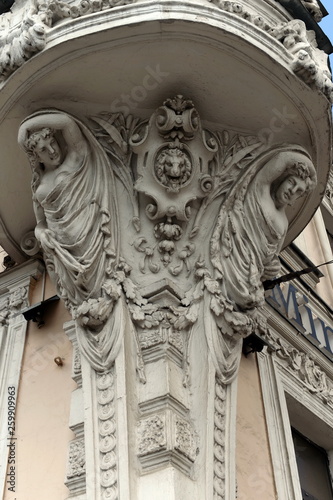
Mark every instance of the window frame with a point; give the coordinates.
(287, 399)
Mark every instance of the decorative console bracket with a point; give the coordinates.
(159, 235)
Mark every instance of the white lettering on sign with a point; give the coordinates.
(293, 305)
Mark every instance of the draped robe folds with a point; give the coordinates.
(244, 252)
(77, 226)
(250, 245)
(78, 233)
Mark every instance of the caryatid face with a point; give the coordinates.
(290, 190)
(48, 152)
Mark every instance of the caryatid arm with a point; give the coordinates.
(56, 121)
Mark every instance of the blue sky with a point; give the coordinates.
(327, 23)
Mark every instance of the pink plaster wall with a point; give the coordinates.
(43, 409)
(254, 468)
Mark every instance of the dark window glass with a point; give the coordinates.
(313, 470)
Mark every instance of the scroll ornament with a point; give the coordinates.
(208, 222)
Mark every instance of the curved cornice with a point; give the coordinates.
(239, 75)
(34, 28)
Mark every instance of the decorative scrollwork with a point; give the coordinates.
(29, 244)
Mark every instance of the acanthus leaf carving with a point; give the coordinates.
(166, 437)
(185, 438)
(212, 238)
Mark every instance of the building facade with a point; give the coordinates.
(167, 173)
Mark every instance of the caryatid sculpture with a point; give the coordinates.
(207, 212)
(72, 182)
